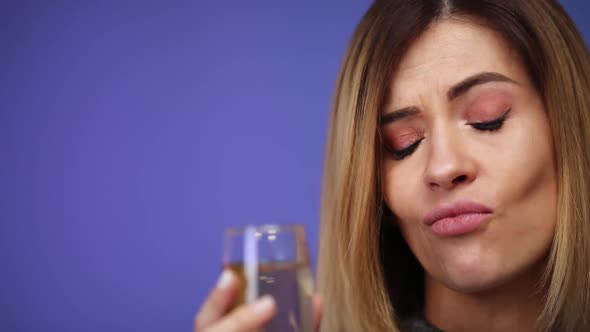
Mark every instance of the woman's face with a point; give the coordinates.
(468, 161)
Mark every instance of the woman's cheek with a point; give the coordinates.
(399, 191)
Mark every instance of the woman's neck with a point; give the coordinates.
(512, 307)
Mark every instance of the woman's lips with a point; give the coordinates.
(457, 218)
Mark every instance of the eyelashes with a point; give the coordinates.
(489, 126)
(401, 154)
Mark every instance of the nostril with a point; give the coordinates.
(460, 179)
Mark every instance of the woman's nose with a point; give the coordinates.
(449, 164)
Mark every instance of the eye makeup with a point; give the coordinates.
(402, 143)
(401, 154)
(404, 138)
(488, 110)
(487, 106)
(491, 125)
(485, 111)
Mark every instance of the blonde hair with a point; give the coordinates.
(368, 286)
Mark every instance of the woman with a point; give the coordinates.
(456, 190)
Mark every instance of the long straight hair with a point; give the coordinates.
(367, 275)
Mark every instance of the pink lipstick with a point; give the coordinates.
(457, 218)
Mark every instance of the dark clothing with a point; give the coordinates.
(417, 324)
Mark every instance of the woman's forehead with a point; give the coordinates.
(448, 52)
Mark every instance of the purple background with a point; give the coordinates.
(132, 133)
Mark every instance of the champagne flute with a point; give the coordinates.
(273, 259)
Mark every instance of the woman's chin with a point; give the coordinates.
(473, 276)
(473, 283)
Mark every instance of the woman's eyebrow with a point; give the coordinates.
(454, 92)
(481, 78)
(398, 115)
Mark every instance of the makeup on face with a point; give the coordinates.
(484, 108)
(457, 218)
(467, 172)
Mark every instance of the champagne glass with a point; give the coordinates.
(273, 259)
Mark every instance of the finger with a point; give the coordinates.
(248, 317)
(218, 301)
(318, 306)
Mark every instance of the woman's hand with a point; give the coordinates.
(214, 316)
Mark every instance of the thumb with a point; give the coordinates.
(318, 307)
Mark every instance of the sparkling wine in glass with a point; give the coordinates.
(273, 259)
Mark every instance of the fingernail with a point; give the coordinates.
(264, 305)
(225, 279)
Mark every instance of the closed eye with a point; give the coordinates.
(401, 154)
(491, 125)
